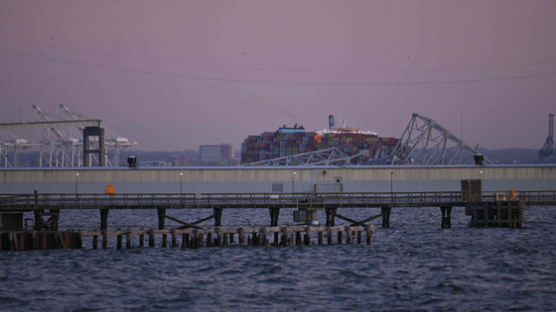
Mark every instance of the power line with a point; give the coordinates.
(275, 82)
(299, 70)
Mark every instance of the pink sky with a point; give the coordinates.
(177, 74)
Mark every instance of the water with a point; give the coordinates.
(414, 265)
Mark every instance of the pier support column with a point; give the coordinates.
(385, 210)
(217, 216)
(161, 218)
(446, 217)
(330, 216)
(104, 219)
(274, 213)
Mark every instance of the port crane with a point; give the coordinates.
(63, 144)
(547, 151)
(115, 142)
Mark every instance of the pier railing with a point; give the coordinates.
(259, 200)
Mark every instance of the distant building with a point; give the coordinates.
(216, 154)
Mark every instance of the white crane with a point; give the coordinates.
(64, 143)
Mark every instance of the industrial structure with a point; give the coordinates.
(547, 152)
(423, 142)
(426, 142)
(62, 145)
(332, 146)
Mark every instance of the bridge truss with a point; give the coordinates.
(426, 142)
(325, 157)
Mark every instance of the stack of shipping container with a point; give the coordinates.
(289, 141)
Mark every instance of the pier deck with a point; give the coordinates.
(27, 202)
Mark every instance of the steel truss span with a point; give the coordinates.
(426, 142)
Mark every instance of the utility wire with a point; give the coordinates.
(273, 82)
(300, 70)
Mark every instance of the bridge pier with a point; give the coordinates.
(385, 210)
(217, 216)
(103, 219)
(274, 214)
(161, 218)
(446, 217)
(330, 216)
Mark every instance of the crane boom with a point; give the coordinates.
(39, 111)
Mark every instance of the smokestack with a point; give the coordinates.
(330, 122)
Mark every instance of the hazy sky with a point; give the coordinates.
(176, 74)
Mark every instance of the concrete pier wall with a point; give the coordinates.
(300, 179)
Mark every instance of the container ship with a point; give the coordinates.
(295, 140)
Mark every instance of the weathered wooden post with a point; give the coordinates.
(184, 240)
(446, 217)
(119, 241)
(95, 241)
(128, 239)
(369, 232)
(104, 218)
(142, 239)
(218, 238)
(104, 239)
(319, 237)
(329, 235)
(330, 216)
(307, 239)
(161, 218)
(348, 234)
(284, 231)
(241, 235)
(217, 216)
(151, 238)
(385, 216)
(174, 238)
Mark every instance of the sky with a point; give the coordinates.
(172, 75)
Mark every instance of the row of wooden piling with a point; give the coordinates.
(225, 236)
(189, 238)
(35, 240)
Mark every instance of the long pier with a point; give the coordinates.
(52, 204)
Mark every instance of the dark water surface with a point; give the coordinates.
(414, 265)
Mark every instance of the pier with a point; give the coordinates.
(47, 207)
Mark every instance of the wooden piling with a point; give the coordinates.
(241, 236)
(174, 238)
(104, 239)
(141, 239)
(119, 241)
(128, 239)
(151, 238)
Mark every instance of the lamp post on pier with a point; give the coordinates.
(181, 183)
(76, 182)
(293, 181)
(391, 186)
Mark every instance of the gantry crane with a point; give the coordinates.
(64, 143)
(113, 141)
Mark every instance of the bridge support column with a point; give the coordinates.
(217, 216)
(446, 217)
(274, 213)
(385, 210)
(104, 219)
(161, 218)
(330, 216)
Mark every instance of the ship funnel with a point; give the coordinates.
(330, 122)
